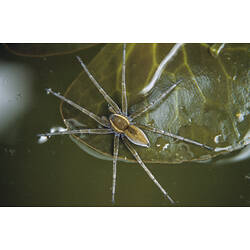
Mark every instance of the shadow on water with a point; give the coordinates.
(58, 173)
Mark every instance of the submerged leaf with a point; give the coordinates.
(211, 104)
(45, 49)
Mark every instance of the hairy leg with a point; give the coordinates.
(158, 131)
(124, 94)
(153, 103)
(115, 155)
(99, 131)
(101, 90)
(137, 157)
(85, 111)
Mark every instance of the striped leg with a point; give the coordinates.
(153, 103)
(115, 155)
(158, 131)
(99, 131)
(124, 94)
(137, 157)
(85, 111)
(101, 90)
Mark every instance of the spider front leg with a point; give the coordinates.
(137, 157)
(162, 132)
(83, 110)
(97, 131)
(115, 155)
(108, 99)
(153, 103)
(124, 94)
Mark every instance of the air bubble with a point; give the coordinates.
(42, 139)
(217, 139)
(57, 129)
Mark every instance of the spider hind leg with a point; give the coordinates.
(141, 163)
(178, 137)
(115, 155)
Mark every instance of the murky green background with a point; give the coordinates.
(58, 173)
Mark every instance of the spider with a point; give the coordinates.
(122, 125)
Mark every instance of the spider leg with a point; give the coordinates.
(137, 157)
(85, 111)
(115, 155)
(154, 102)
(99, 131)
(124, 94)
(158, 131)
(101, 90)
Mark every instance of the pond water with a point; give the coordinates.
(59, 173)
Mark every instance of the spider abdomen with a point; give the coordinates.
(136, 136)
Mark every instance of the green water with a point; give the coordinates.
(59, 173)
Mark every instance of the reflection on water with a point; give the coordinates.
(244, 154)
(15, 93)
(172, 53)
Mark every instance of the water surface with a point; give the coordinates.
(58, 173)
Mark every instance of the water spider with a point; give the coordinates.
(122, 124)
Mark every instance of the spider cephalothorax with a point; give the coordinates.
(121, 125)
